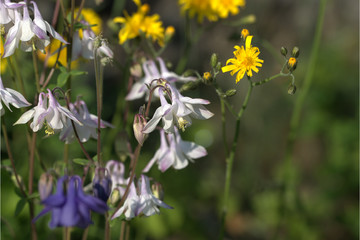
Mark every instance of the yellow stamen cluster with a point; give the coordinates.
(211, 9)
(182, 123)
(246, 60)
(48, 130)
(140, 22)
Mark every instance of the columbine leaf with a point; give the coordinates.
(81, 161)
(20, 206)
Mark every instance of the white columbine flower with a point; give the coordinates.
(152, 72)
(10, 96)
(54, 114)
(88, 127)
(32, 34)
(179, 112)
(7, 11)
(143, 203)
(175, 152)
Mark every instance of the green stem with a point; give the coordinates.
(269, 79)
(223, 121)
(31, 179)
(99, 90)
(36, 71)
(230, 160)
(289, 185)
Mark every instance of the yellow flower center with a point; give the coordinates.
(248, 61)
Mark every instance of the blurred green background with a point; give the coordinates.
(324, 203)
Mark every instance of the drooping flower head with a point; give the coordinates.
(140, 201)
(49, 111)
(88, 123)
(116, 171)
(139, 22)
(9, 96)
(246, 60)
(102, 184)
(70, 206)
(151, 72)
(179, 112)
(174, 152)
(211, 9)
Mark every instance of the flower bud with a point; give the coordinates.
(218, 66)
(115, 196)
(189, 86)
(292, 89)
(207, 77)
(295, 52)
(283, 51)
(157, 190)
(102, 184)
(45, 185)
(213, 60)
(138, 126)
(230, 92)
(169, 33)
(244, 33)
(291, 64)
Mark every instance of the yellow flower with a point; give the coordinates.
(207, 76)
(3, 61)
(90, 16)
(54, 47)
(211, 9)
(139, 22)
(152, 27)
(245, 61)
(244, 33)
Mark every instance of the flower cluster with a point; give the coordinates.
(246, 60)
(140, 23)
(211, 9)
(31, 34)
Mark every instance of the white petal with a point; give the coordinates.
(25, 117)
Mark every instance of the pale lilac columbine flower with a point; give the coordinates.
(175, 152)
(71, 207)
(88, 126)
(55, 115)
(117, 170)
(151, 71)
(32, 34)
(7, 11)
(9, 96)
(143, 203)
(179, 112)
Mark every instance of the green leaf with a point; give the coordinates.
(18, 192)
(34, 195)
(77, 72)
(81, 161)
(20, 206)
(62, 79)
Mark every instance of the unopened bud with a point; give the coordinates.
(291, 64)
(158, 190)
(189, 86)
(244, 33)
(136, 70)
(45, 185)
(218, 66)
(102, 184)
(292, 89)
(295, 52)
(207, 77)
(283, 51)
(115, 196)
(230, 92)
(138, 126)
(169, 33)
(213, 60)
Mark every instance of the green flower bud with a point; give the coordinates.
(214, 60)
(230, 92)
(292, 89)
(283, 51)
(218, 66)
(295, 52)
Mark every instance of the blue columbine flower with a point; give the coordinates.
(71, 207)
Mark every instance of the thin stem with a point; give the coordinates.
(230, 160)
(36, 70)
(122, 231)
(7, 144)
(268, 79)
(132, 175)
(85, 234)
(16, 72)
(107, 227)
(99, 89)
(223, 120)
(30, 186)
(289, 185)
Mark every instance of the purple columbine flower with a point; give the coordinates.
(179, 112)
(175, 152)
(9, 96)
(151, 71)
(142, 203)
(69, 206)
(88, 127)
(54, 115)
(102, 184)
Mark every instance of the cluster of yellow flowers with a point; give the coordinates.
(211, 9)
(245, 59)
(140, 22)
